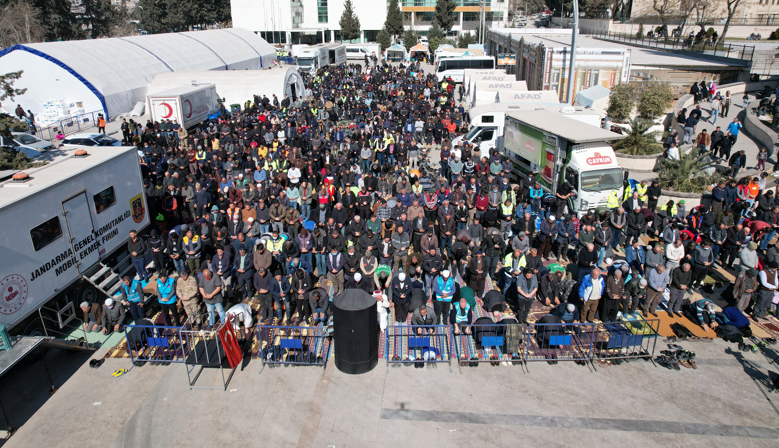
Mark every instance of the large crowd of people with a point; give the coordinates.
(331, 187)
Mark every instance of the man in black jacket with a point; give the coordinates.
(401, 297)
(137, 248)
(636, 224)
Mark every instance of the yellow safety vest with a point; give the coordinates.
(509, 194)
(274, 246)
(641, 189)
(507, 209)
(665, 209)
(200, 155)
(508, 262)
(613, 201)
(627, 194)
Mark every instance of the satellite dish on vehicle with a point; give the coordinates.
(568, 109)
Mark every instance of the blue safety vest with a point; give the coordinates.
(132, 294)
(163, 289)
(446, 288)
(464, 316)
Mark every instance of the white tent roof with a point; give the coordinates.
(118, 70)
(236, 86)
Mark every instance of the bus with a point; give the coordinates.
(455, 67)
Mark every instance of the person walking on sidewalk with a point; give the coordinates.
(762, 157)
(716, 103)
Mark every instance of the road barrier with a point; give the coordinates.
(155, 343)
(418, 344)
(626, 340)
(559, 342)
(494, 343)
(300, 346)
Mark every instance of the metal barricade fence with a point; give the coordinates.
(289, 345)
(559, 342)
(409, 344)
(156, 343)
(494, 343)
(69, 126)
(205, 349)
(625, 340)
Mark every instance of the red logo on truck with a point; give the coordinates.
(13, 293)
(188, 114)
(168, 110)
(530, 146)
(598, 159)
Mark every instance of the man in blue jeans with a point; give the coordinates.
(137, 248)
(210, 287)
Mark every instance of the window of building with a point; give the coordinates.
(321, 8)
(104, 199)
(44, 234)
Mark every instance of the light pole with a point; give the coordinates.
(574, 32)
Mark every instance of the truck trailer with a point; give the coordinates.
(188, 105)
(65, 230)
(554, 148)
(315, 57)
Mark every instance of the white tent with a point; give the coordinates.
(396, 53)
(237, 86)
(112, 75)
(479, 88)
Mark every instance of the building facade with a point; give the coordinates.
(316, 21)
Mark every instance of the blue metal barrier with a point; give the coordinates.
(409, 344)
(301, 346)
(559, 342)
(631, 338)
(155, 343)
(494, 343)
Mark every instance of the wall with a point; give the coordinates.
(605, 25)
(762, 135)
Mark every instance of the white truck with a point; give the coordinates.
(556, 148)
(188, 105)
(488, 121)
(313, 58)
(359, 51)
(65, 228)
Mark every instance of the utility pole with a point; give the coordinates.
(572, 59)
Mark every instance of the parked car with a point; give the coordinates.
(91, 140)
(29, 141)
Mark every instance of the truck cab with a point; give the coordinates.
(593, 172)
(308, 60)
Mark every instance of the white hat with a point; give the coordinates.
(642, 282)
(109, 302)
(445, 273)
(552, 218)
(226, 189)
(357, 277)
(609, 261)
(402, 277)
(241, 175)
(250, 219)
(571, 307)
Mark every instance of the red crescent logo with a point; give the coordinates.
(169, 110)
(188, 114)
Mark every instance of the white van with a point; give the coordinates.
(353, 52)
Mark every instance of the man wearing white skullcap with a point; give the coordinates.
(443, 289)
(401, 297)
(113, 316)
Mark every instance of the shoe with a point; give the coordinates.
(680, 314)
(754, 348)
(670, 314)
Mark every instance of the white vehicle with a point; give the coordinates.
(188, 105)
(23, 140)
(423, 40)
(556, 148)
(455, 67)
(488, 121)
(313, 58)
(90, 140)
(369, 49)
(63, 225)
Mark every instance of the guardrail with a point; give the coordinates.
(559, 342)
(72, 125)
(625, 340)
(156, 343)
(418, 344)
(291, 345)
(708, 47)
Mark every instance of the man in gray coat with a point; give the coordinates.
(113, 316)
(424, 315)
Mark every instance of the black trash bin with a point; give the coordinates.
(355, 332)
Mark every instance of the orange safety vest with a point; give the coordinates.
(754, 190)
(101, 122)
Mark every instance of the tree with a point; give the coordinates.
(384, 38)
(732, 6)
(350, 23)
(662, 8)
(640, 33)
(465, 39)
(394, 22)
(621, 102)
(20, 23)
(655, 99)
(58, 19)
(151, 15)
(435, 36)
(692, 173)
(98, 17)
(410, 38)
(444, 12)
(9, 159)
(638, 141)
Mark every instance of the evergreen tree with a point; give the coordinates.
(444, 12)
(465, 39)
(394, 22)
(350, 23)
(384, 39)
(435, 36)
(410, 38)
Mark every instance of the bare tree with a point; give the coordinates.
(20, 23)
(732, 7)
(703, 10)
(663, 10)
